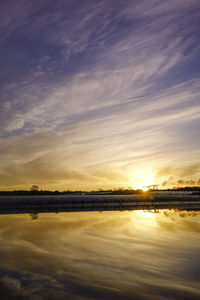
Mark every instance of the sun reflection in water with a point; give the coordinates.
(146, 214)
(145, 219)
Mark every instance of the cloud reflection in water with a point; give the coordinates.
(109, 255)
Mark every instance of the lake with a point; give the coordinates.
(100, 255)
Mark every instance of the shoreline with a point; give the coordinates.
(81, 203)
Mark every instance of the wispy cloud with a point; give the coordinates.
(107, 87)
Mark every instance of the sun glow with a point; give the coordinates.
(142, 187)
(145, 188)
(143, 181)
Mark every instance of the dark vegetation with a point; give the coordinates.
(35, 191)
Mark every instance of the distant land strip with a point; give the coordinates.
(70, 203)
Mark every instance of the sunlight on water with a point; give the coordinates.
(109, 255)
(145, 214)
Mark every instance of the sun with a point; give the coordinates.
(143, 181)
(141, 186)
(144, 188)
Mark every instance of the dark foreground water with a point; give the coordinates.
(108, 255)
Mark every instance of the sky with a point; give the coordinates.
(99, 94)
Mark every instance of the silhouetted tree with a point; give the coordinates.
(34, 188)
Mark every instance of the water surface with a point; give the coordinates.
(108, 255)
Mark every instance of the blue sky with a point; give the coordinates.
(99, 94)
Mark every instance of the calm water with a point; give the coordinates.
(109, 255)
